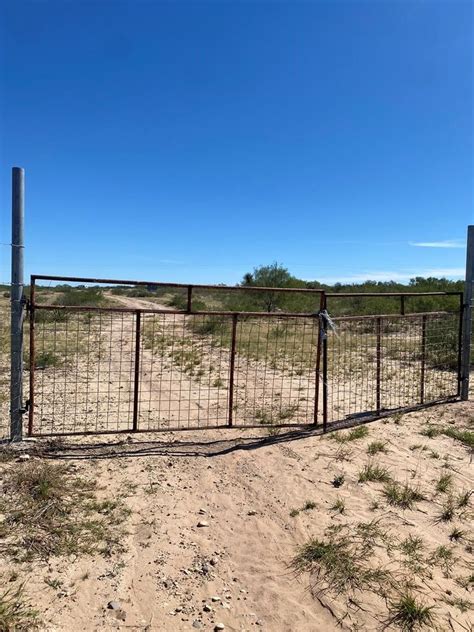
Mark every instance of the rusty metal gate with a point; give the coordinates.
(142, 366)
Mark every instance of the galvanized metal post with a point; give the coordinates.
(17, 305)
(467, 315)
(379, 365)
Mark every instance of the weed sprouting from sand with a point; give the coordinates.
(444, 558)
(360, 432)
(339, 506)
(464, 436)
(461, 604)
(456, 535)
(15, 614)
(413, 549)
(308, 506)
(339, 563)
(374, 473)
(430, 432)
(402, 495)
(463, 499)
(376, 446)
(409, 614)
(444, 483)
(448, 510)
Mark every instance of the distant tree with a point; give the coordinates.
(274, 275)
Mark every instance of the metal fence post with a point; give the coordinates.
(467, 315)
(17, 305)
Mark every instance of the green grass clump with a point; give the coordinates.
(339, 506)
(46, 359)
(374, 473)
(413, 548)
(409, 614)
(463, 499)
(404, 496)
(444, 557)
(339, 564)
(375, 447)
(444, 483)
(308, 506)
(430, 432)
(356, 433)
(448, 510)
(15, 614)
(464, 436)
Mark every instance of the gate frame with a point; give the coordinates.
(320, 318)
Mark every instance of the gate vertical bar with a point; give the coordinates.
(379, 364)
(31, 408)
(232, 368)
(17, 304)
(189, 302)
(467, 315)
(324, 334)
(423, 359)
(136, 383)
(322, 300)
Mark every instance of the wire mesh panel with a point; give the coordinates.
(184, 371)
(274, 376)
(83, 371)
(392, 362)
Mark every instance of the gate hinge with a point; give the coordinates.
(25, 408)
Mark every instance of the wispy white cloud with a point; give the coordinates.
(395, 275)
(446, 243)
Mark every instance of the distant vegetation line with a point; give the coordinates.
(274, 275)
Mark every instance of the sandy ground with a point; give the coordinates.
(174, 575)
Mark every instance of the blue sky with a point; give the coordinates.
(193, 141)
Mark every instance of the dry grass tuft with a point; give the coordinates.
(48, 510)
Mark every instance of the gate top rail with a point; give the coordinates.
(384, 294)
(224, 288)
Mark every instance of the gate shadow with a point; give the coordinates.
(132, 447)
